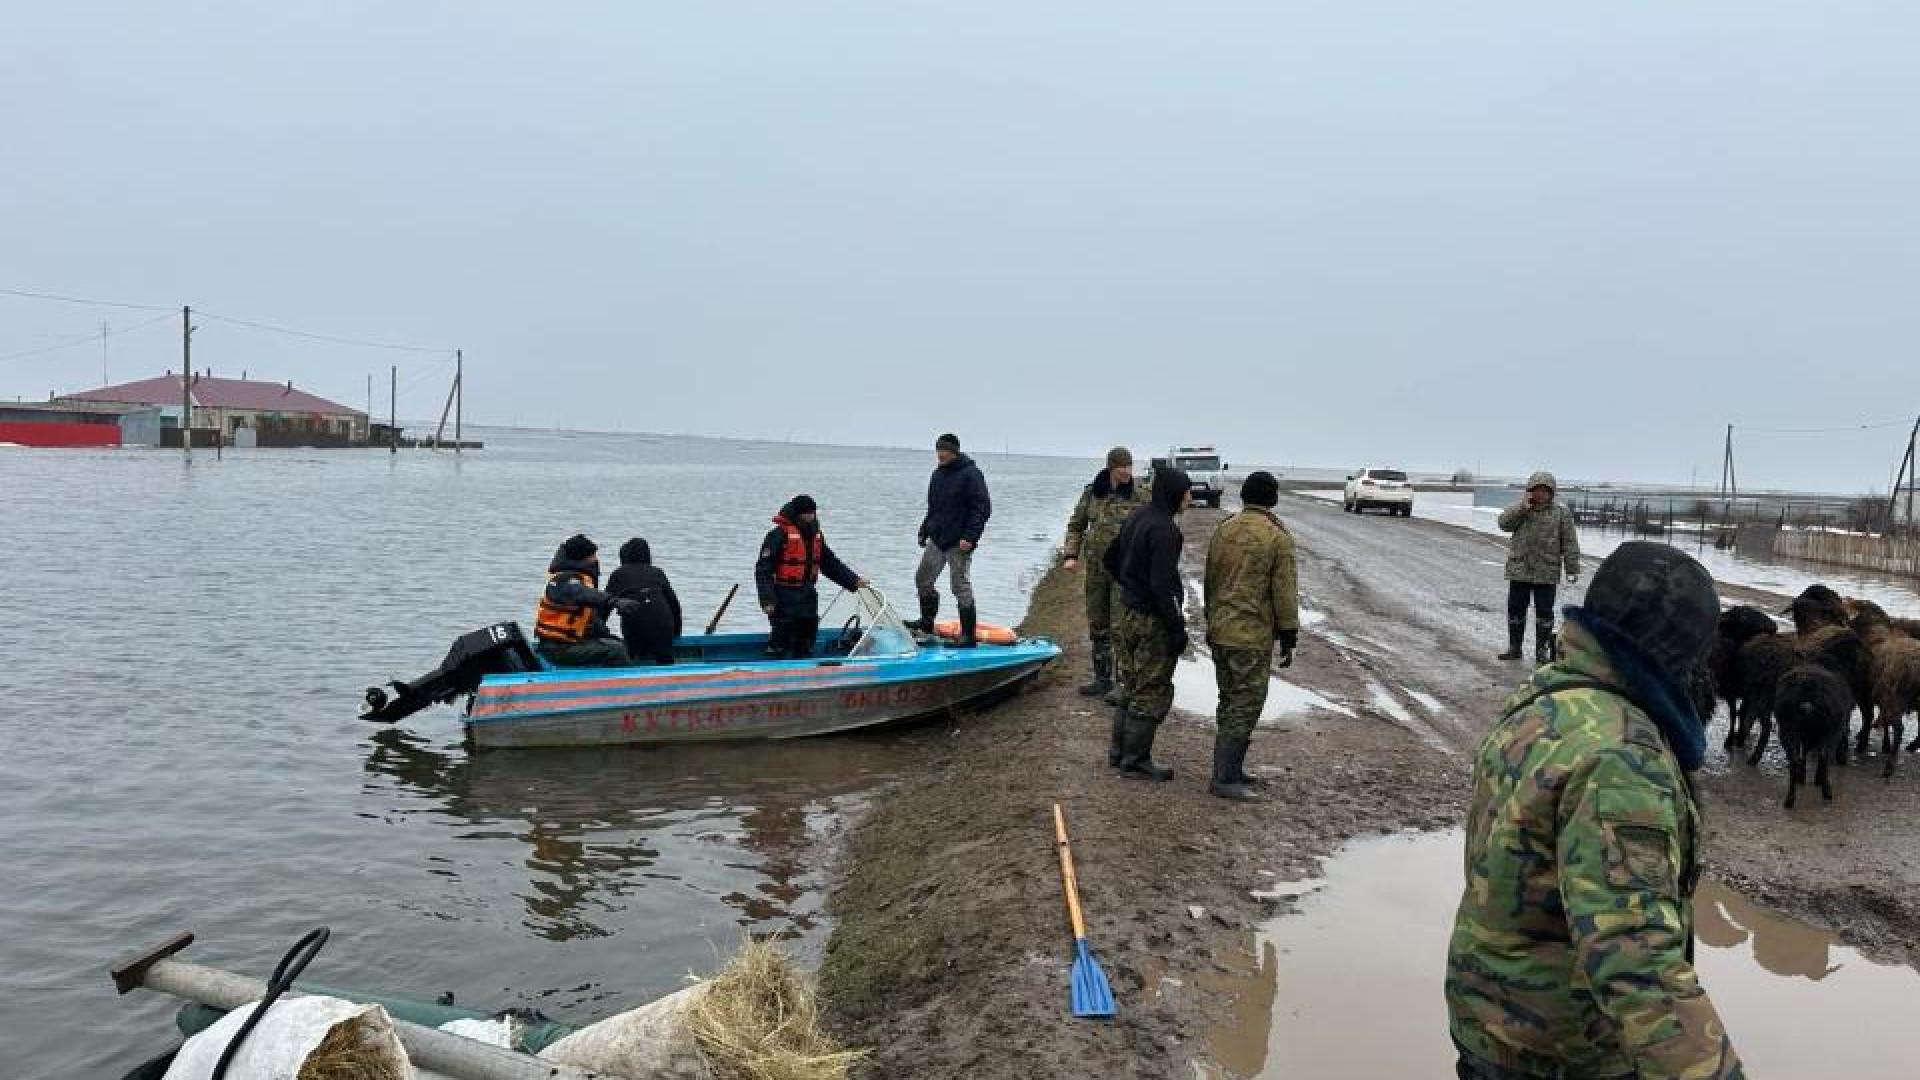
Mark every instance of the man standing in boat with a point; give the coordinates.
(957, 511)
(792, 558)
(1103, 506)
(1145, 561)
(570, 624)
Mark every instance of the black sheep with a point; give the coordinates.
(1738, 625)
(1812, 702)
(1761, 662)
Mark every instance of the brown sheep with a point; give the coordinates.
(1895, 671)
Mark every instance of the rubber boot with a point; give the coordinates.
(968, 621)
(1228, 757)
(1116, 745)
(929, 609)
(1240, 774)
(1102, 683)
(1136, 749)
(1516, 636)
(1118, 695)
(1544, 646)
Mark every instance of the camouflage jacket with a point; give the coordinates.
(1545, 542)
(1097, 519)
(1252, 592)
(1571, 950)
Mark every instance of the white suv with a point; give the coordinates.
(1388, 489)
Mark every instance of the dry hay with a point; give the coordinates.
(759, 1020)
(352, 1050)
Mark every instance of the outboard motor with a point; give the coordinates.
(500, 649)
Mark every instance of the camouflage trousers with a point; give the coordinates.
(1243, 676)
(1101, 591)
(1147, 655)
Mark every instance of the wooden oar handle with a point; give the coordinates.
(1071, 883)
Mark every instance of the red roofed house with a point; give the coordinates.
(244, 412)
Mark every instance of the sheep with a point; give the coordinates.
(1738, 625)
(1812, 702)
(1909, 627)
(1895, 669)
(1761, 663)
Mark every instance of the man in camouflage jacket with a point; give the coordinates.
(1104, 505)
(1571, 956)
(1252, 601)
(1545, 542)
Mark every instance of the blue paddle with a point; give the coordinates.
(1091, 997)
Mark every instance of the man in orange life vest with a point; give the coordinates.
(792, 558)
(570, 625)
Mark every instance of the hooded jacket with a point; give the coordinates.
(1545, 541)
(575, 583)
(1144, 558)
(771, 549)
(637, 579)
(957, 504)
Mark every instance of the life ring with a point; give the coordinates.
(984, 633)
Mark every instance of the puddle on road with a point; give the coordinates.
(1195, 691)
(1351, 985)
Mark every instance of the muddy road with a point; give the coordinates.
(1419, 606)
(948, 958)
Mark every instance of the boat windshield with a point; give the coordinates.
(882, 632)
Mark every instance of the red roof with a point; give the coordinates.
(216, 393)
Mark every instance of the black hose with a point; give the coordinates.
(291, 965)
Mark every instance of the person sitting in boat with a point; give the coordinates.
(792, 558)
(650, 627)
(570, 625)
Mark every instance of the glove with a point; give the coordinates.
(1177, 638)
(1289, 641)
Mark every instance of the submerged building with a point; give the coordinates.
(236, 412)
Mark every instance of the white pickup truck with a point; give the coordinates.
(1204, 469)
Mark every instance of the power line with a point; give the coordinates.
(31, 295)
(358, 342)
(88, 340)
(1824, 431)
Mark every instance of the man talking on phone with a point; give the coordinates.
(1545, 543)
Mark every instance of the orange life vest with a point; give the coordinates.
(799, 562)
(565, 624)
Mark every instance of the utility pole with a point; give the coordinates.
(1905, 475)
(1729, 482)
(393, 408)
(186, 383)
(460, 395)
(104, 331)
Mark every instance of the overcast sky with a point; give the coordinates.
(1506, 233)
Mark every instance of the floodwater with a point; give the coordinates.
(1784, 576)
(1195, 691)
(1325, 992)
(182, 666)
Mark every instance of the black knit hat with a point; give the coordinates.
(1661, 598)
(949, 442)
(636, 550)
(803, 504)
(578, 547)
(1260, 489)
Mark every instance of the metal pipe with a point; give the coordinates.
(453, 1055)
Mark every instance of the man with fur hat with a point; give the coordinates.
(1545, 545)
(1104, 505)
(792, 558)
(1571, 953)
(1252, 601)
(570, 623)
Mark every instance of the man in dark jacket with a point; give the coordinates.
(792, 558)
(651, 625)
(1152, 628)
(957, 513)
(570, 623)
